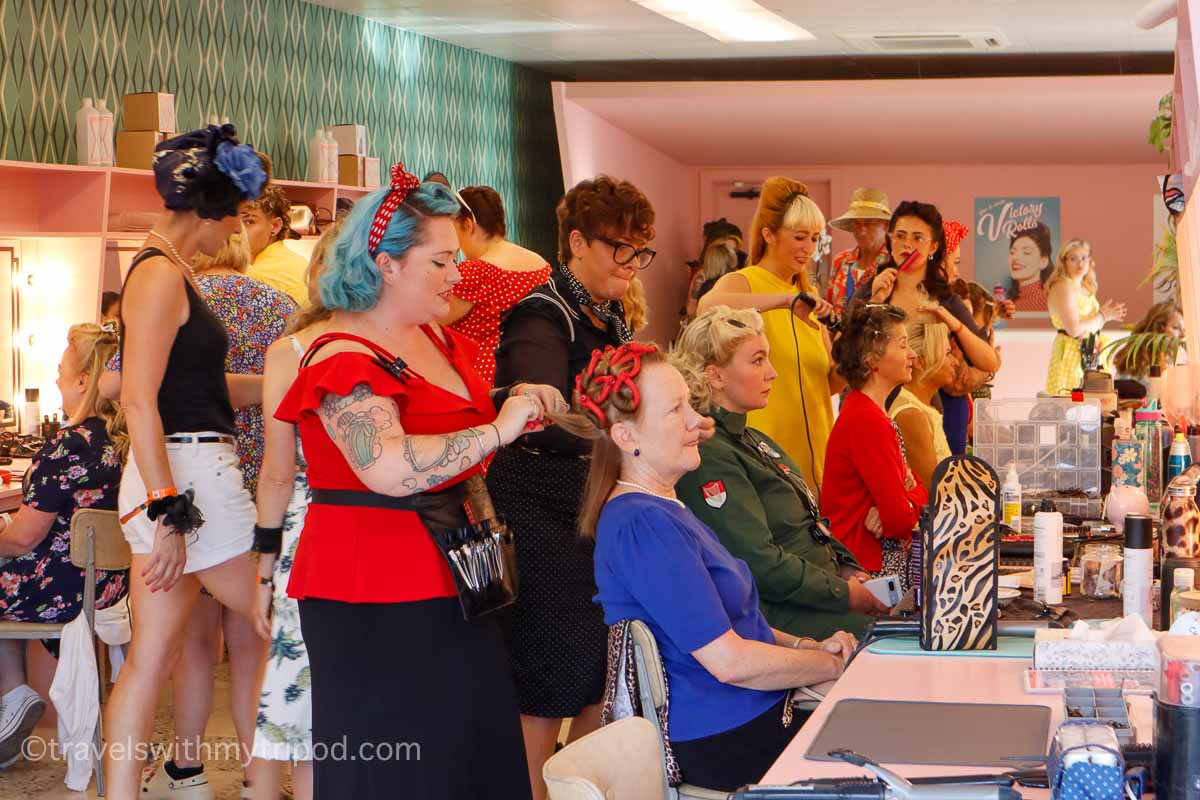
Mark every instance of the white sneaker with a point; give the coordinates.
(158, 785)
(22, 709)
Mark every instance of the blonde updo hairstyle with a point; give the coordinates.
(90, 347)
(783, 203)
(929, 342)
(711, 339)
(234, 255)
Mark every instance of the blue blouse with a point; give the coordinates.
(658, 563)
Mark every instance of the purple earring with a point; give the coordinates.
(636, 452)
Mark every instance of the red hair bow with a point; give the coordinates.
(955, 233)
(402, 183)
(610, 384)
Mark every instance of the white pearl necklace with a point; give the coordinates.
(646, 490)
(171, 246)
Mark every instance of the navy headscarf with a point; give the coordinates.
(208, 171)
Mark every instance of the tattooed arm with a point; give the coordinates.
(366, 428)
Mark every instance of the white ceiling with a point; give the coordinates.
(540, 31)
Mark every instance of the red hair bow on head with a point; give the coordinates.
(631, 354)
(402, 183)
(955, 233)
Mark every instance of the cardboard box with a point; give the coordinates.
(135, 149)
(149, 111)
(371, 173)
(351, 139)
(351, 170)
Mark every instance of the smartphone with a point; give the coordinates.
(887, 589)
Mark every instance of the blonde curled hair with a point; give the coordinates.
(711, 339)
(1059, 272)
(315, 311)
(91, 346)
(929, 342)
(636, 308)
(783, 203)
(234, 255)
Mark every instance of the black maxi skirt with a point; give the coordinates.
(409, 700)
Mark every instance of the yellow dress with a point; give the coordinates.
(906, 400)
(784, 417)
(1066, 369)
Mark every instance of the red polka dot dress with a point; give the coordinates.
(493, 290)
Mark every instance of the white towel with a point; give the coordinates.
(76, 696)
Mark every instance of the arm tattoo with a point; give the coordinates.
(331, 404)
(359, 431)
(434, 454)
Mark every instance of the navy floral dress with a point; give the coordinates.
(76, 469)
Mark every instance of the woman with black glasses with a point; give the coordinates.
(556, 634)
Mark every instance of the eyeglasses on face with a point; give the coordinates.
(623, 253)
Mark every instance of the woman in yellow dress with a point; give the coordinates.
(784, 235)
(1076, 313)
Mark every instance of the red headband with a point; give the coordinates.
(402, 183)
(630, 353)
(955, 233)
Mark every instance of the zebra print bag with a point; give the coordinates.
(960, 557)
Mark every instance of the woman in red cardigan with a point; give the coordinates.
(870, 495)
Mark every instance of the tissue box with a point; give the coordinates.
(1052, 649)
(149, 111)
(351, 139)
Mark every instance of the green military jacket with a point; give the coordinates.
(761, 518)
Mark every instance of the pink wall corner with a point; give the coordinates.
(590, 146)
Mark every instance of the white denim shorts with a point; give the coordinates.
(211, 469)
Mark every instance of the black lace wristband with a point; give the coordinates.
(179, 512)
(267, 540)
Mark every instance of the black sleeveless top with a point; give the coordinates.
(194, 395)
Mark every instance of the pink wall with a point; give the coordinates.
(590, 146)
(1111, 205)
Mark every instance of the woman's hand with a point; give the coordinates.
(883, 285)
(841, 644)
(862, 600)
(822, 309)
(707, 429)
(520, 414)
(549, 397)
(910, 480)
(1005, 309)
(167, 559)
(1113, 311)
(874, 523)
(263, 600)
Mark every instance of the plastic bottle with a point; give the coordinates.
(330, 150)
(316, 157)
(1185, 581)
(83, 145)
(1012, 498)
(1193, 433)
(1180, 457)
(1137, 590)
(1047, 555)
(1146, 431)
(1154, 386)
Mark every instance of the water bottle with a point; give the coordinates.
(1180, 457)
(1146, 431)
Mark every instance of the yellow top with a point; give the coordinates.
(283, 269)
(1066, 366)
(906, 400)
(792, 400)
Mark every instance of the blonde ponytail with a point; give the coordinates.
(92, 346)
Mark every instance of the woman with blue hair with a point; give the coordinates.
(394, 423)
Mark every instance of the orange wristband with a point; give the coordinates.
(159, 494)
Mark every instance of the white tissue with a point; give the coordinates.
(1117, 644)
(1132, 629)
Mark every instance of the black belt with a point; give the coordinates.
(187, 438)
(354, 497)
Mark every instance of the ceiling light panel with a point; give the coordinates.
(729, 20)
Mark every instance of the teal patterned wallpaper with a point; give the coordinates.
(278, 69)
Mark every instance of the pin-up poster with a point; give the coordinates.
(1016, 242)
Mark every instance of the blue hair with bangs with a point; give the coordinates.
(351, 281)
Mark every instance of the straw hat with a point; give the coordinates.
(865, 203)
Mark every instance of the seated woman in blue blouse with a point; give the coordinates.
(729, 673)
(79, 467)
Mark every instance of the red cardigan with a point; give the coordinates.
(864, 468)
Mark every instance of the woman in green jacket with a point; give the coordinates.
(753, 495)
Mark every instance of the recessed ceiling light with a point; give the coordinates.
(729, 20)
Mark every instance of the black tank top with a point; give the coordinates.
(194, 395)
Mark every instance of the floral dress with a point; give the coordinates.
(76, 469)
(255, 316)
(283, 731)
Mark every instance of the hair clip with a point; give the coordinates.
(109, 327)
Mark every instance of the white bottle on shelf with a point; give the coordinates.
(1012, 498)
(94, 134)
(83, 147)
(329, 152)
(1047, 555)
(103, 134)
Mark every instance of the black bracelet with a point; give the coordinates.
(267, 540)
(179, 512)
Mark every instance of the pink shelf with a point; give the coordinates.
(44, 199)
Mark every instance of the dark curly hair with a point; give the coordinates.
(483, 204)
(936, 283)
(865, 335)
(603, 206)
(275, 205)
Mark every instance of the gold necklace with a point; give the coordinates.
(174, 252)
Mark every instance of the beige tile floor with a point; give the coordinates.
(44, 779)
